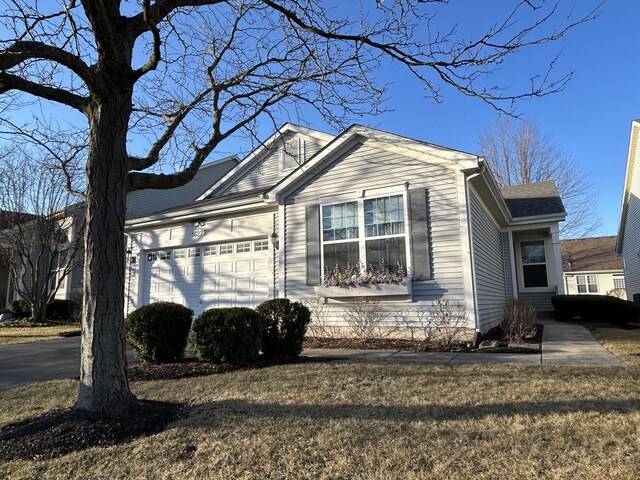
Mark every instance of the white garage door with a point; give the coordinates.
(218, 275)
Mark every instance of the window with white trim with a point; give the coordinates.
(152, 257)
(369, 231)
(243, 247)
(534, 264)
(178, 254)
(260, 245)
(226, 249)
(57, 271)
(194, 252)
(618, 282)
(587, 283)
(164, 254)
(210, 250)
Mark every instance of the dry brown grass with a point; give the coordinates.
(623, 343)
(368, 421)
(12, 335)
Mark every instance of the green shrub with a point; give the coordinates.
(158, 332)
(60, 310)
(229, 335)
(285, 324)
(591, 308)
(20, 308)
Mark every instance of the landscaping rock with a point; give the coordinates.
(491, 344)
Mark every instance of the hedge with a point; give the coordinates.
(158, 332)
(231, 335)
(285, 324)
(591, 308)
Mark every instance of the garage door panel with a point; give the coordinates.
(227, 275)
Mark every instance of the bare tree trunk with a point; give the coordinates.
(103, 381)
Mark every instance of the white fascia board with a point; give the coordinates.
(191, 213)
(555, 217)
(356, 133)
(631, 156)
(268, 143)
(572, 273)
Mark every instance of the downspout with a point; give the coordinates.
(479, 172)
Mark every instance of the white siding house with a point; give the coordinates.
(628, 243)
(305, 201)
(591, 267)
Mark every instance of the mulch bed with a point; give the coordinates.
(192, 367)
(382, 344)
(422, 346)
(61, 432)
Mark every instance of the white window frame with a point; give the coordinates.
(211, 249)
(260, 245)
(225, 246)
(179, 254)
(547, 256)
(194, 252)
(587, 283)
(362, 238)
(619, 278)
(244, 245)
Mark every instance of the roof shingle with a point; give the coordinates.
(532, 199)
(589, 254)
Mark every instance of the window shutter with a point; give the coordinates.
(313, 245)
(420, 247)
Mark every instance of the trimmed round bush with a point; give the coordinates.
(230, 335)
(59, 310)
(285, 324)
(20, 308)
(158, 332)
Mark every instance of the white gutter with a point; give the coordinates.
(468, 178)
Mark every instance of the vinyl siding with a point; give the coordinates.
(366, 166)
(631, 240)
(145, 202)
(541, 300)
(488, 264)
(265, 172)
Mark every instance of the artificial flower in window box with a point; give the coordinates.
(359, 281)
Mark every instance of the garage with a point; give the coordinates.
(232, 274)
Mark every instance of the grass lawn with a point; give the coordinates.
(367, 421)
(624, 343)
(10, 335)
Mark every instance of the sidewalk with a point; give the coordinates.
(562, 344)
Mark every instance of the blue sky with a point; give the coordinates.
(590, 119)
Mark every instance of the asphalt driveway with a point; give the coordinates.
(26, 363)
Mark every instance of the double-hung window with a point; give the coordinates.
(534, 264)
(587, 283)
(369, 231)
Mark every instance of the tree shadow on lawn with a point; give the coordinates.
(209, 415)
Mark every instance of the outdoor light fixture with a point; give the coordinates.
(274, 240)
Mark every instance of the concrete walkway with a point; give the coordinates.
(562, 344)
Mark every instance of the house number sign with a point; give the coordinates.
(198, 232)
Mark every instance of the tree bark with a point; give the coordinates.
(103, 381)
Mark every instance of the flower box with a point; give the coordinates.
(373, 290)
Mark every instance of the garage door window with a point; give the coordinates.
(260, 245)
(194, 252)
(244, 247)
(226, 249)
(210, 250)
(152, 257)
(178, 254)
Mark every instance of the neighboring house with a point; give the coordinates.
(591, 267)
(305, 201)
(628, 244)
(141, 202)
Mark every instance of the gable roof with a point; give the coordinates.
(533, 199)
(358, 133)
(141, 203)
(634, 141)
(588, 254)
(255, 156)
(9, 219)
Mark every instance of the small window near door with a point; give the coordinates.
(534, 264)
(618, 282)
(587, 283)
